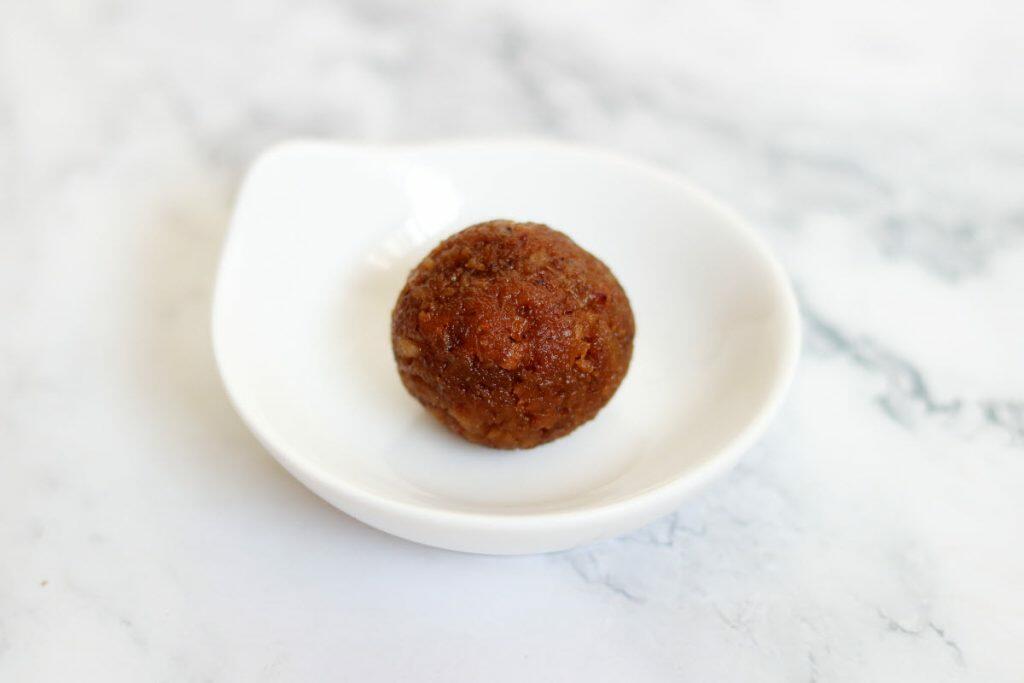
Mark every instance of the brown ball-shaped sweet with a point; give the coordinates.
(511, 334)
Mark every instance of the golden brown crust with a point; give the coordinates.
(511, 334)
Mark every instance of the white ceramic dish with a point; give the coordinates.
(322, 239)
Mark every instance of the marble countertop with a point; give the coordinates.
(874, 534)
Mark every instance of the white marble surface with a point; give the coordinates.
(874, 534)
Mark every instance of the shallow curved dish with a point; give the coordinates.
(322, 239)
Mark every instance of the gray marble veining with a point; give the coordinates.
(873, 534)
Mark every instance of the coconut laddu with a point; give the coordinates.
(511, 334)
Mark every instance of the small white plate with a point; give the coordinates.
(322, 239)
